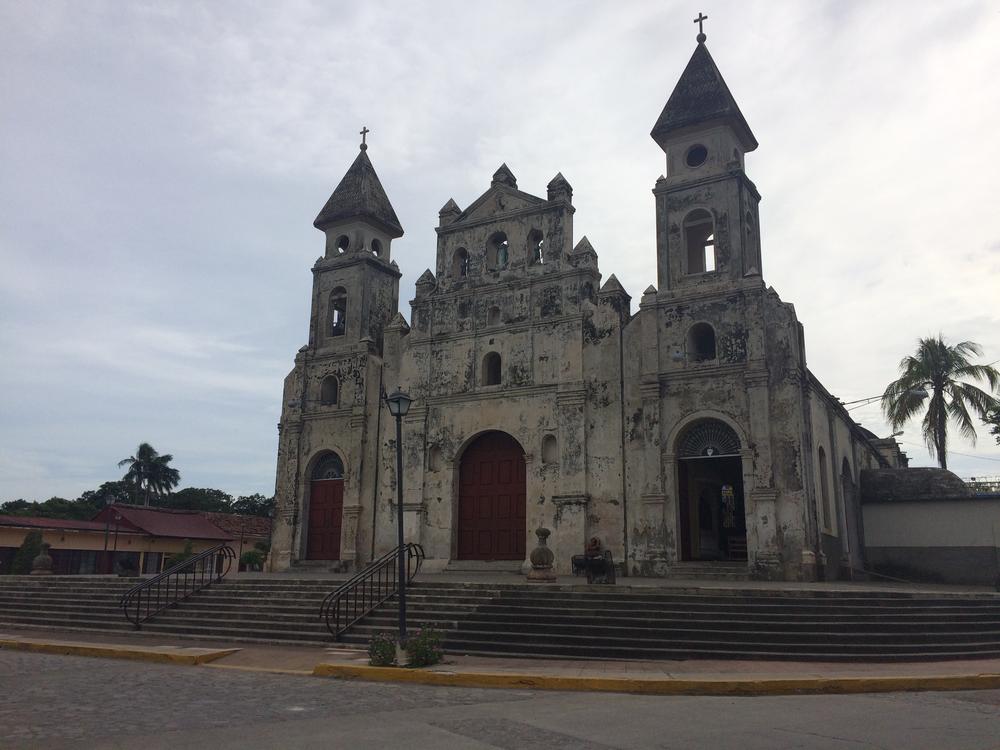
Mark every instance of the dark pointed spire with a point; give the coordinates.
(503, 176)
(360, 195)
(559, 187)
(701, 98)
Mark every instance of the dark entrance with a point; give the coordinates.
(710, 486)
(491, 500)
(326, 509)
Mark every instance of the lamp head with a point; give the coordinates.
(399, 403)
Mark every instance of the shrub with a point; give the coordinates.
(252, 559)
(180, 557)
(30, 548)
(424, 648)
(382, 650)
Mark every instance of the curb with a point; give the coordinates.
(666, 686)
(160, 655)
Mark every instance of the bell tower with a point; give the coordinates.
(706, 206)
(355, 281)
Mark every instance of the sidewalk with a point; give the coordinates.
(694, 677)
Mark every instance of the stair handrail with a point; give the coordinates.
(176, 583)
(378, 582)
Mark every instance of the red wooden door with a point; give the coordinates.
(491, 500)
(326, 511)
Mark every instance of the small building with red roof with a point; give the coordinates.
(120, 536)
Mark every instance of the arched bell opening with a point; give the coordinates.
(710, 492)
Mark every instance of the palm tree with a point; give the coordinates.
(936, 371)
(149, 472)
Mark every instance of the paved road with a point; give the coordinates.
(53, 702)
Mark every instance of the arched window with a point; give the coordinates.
(701, 343)
(491, 369)
(338, 311)
(497, 251)
(460, 263)
(330, 392)
(493, 317)
(699, 239)
(328, 467)
(587, 291)
(824, 488)
(708, 438)
(376, 248)
(343, 242)
(550, 449)
(535, 242)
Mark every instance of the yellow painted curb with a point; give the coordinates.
(666, 686)
(136, 653)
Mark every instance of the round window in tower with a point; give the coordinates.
(696, 155)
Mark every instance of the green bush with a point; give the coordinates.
(180, 557)
(30, 548)
(252, 559)
(382, 650)
(424, 648)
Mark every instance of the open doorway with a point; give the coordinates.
(710, 492)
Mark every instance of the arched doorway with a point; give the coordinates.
(326, 509)
(710, 484)
(491, 500)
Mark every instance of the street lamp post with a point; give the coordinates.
(399, 404)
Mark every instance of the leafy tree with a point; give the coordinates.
(198, 498)
(18, 507)
(254, 505)
(30, 548)
(993, 422)
(936, 373)
(149, 472)
(108, 493)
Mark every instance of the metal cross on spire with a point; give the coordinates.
(701, 31)
(364, 134)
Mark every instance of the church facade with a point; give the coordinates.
(688, 432)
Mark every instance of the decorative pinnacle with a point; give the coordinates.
(364, 134)
(701, 31)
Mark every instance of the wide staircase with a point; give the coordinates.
(559, 621)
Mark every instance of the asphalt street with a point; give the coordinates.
(54, 701)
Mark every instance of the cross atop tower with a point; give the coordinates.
(701, 31)
(364, 134)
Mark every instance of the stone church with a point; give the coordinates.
(685, 435)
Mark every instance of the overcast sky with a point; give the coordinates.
(161, 165)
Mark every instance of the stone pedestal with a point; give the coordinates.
(541, 560)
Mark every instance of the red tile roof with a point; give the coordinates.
(163, 522)
(36, 522)
(250, 527)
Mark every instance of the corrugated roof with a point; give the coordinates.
(701, 97)
(360, 195)
(178, 524)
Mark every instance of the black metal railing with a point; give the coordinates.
(369, 588)
(176, 584)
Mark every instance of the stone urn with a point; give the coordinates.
(42, 564)
(541, 560)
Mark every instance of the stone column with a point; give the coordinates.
(287, 500)
(570, 519)
(349, 535)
